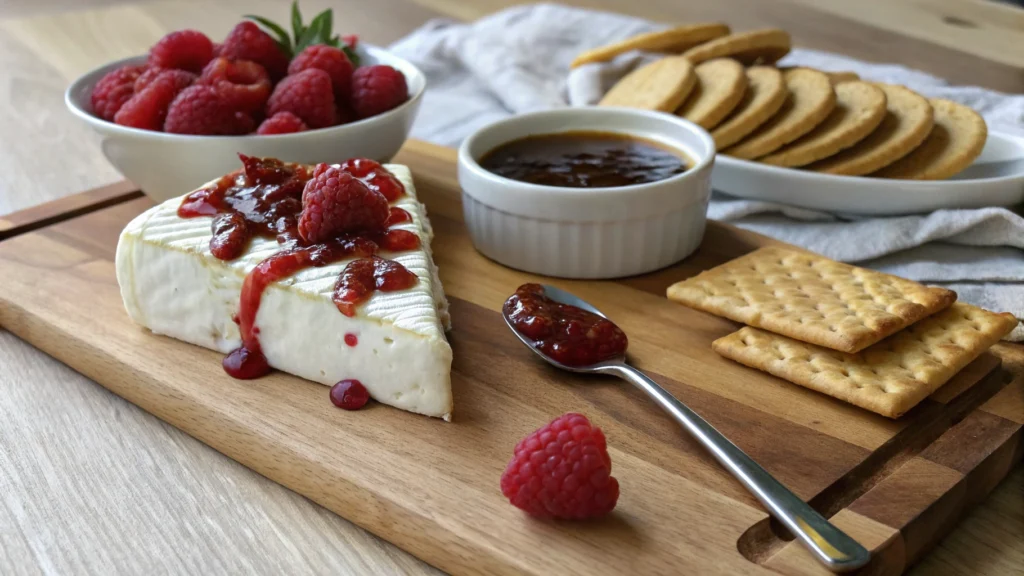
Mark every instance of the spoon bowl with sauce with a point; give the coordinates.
(570, 334)
(593, 192)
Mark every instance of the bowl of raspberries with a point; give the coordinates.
(178, 116)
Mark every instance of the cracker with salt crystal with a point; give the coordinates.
(811, 298)
(889, 377)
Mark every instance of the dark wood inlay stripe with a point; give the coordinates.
(63, 209)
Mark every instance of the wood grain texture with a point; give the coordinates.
(394, 472)
(108, 489)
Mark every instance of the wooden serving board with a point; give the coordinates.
(432, 487)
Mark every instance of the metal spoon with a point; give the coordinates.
(830, 545)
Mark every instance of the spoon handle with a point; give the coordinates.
(830, 545)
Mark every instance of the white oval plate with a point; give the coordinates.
(996, 178)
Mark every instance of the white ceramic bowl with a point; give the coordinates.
(169, 165)
(588, 232)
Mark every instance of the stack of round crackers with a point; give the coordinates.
(829, 122)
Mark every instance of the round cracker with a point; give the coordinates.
(661, 85)
(765, 95)
(753, 47)
(810, 100)
(840, 77)
(673, 40)
(956, 139)
(721, 84)
(835, 77)
(860, 108)
(907, 122)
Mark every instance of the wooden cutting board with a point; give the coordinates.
(432, 487)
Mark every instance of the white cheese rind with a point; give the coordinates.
(173, 285)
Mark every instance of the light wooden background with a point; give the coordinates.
(91, 484)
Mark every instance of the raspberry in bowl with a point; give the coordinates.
(179, 116)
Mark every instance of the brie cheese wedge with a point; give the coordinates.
(395, 344)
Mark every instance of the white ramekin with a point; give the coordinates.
(588, 233)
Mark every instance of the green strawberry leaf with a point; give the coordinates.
(310, 35)
(319, 31)
(297, 27)
(351, 53)
(328, 16)
(282, 37)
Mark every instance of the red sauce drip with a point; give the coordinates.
(231, 235)
(570, 335)
(244, 364)
(265, 199)
(398, 216)
(362, 277)
(351, 340)
(375, 176)
(398, 241)
(349, 395)
(262, 199)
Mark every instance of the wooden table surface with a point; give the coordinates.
(91, 484)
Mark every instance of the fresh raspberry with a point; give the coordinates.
(351, 40)
(113, 90)
(309, 95)
(148, 108)
(244, 83)
(377, 89)
(345, 113)
(331, 60)
(201, 110)
(244, 123)
(185, 50)
(562, 471)
(282, 123)
(147, 77)
(334, 202)
(247, 42)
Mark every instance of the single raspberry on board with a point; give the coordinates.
(334, 202)
(247, 42)
(282, 123)
(309, 95)
(244, 83)
(331, 60)
(148, 108)
(113, 90)
(185, 50)
(377, 89)
(562, 471)
(202, 110)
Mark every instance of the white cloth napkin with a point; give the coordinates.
(517, 61)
